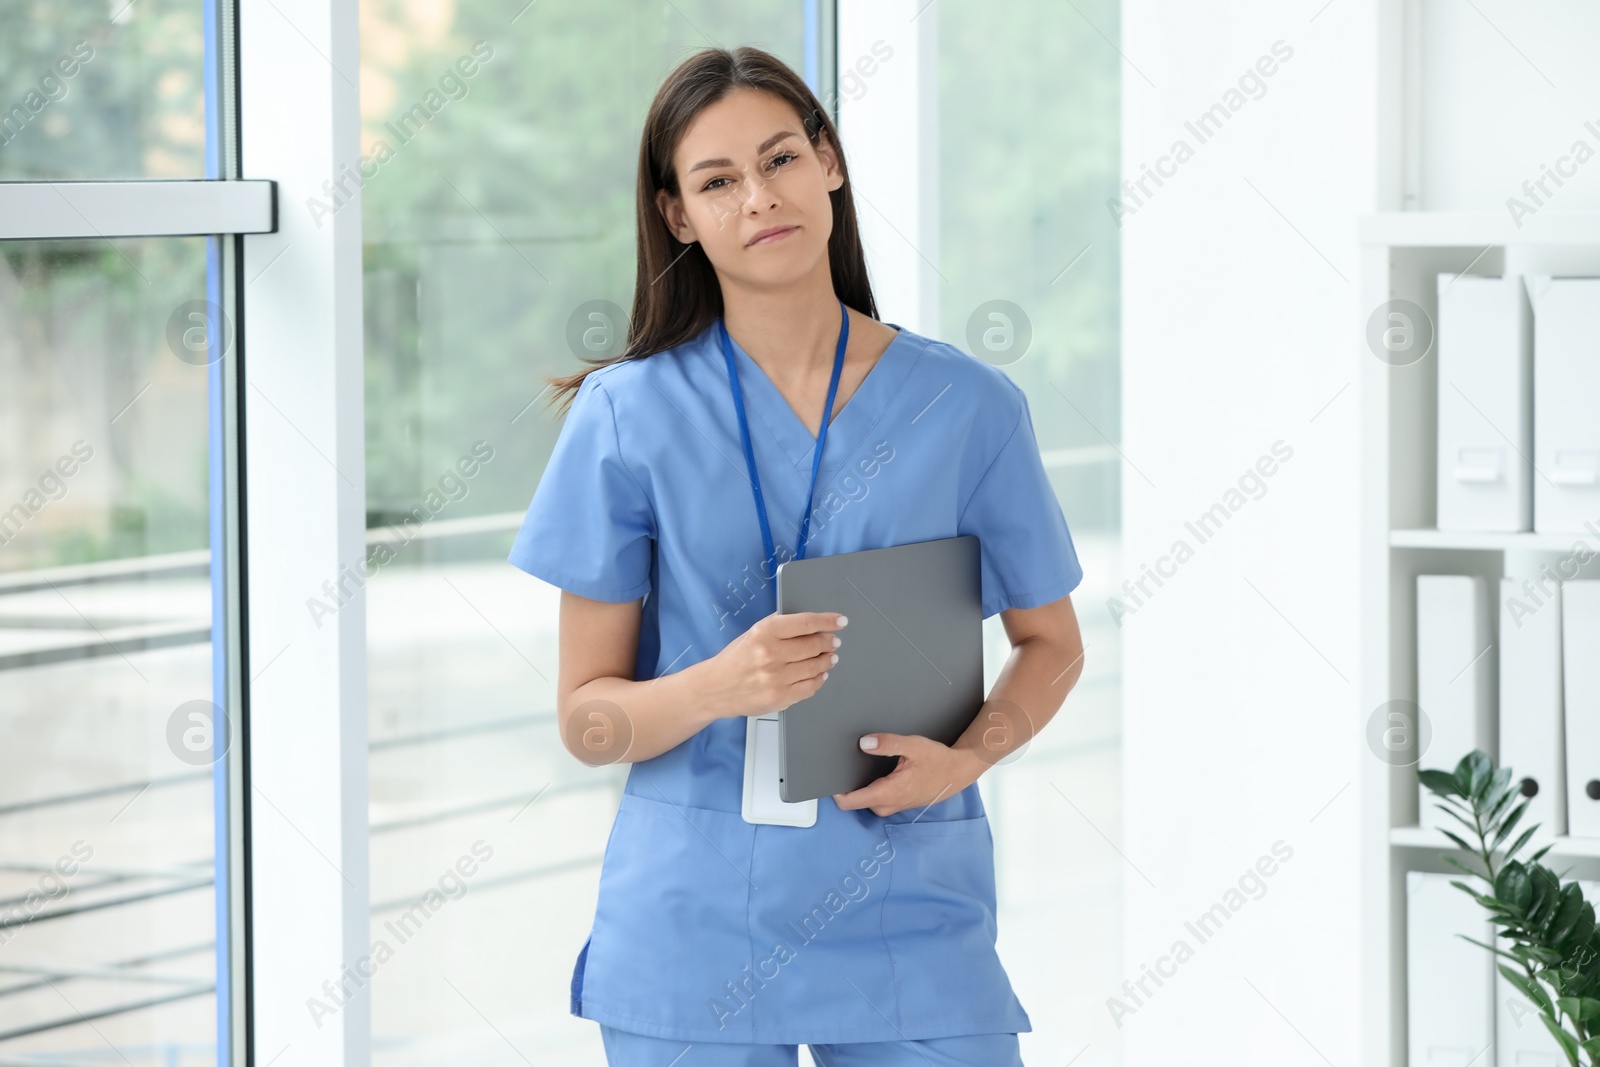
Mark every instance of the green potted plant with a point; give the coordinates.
(1553, 943)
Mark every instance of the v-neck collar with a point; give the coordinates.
(859, 414)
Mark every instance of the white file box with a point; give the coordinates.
(1566, 390)
(1530, 702)
(1485, 479)
(1455, 672)
(1580, 668)
(1449, 982)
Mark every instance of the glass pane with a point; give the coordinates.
(1029, 156)
(113, 89)
(106, 810)
(497, 207)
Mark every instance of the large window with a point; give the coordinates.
(107, 90)
(186, 739)
(502, 217)
(1029, 154)
(106, 881)
(119, 845)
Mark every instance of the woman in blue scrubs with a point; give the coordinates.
(761, 412)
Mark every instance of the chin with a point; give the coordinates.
(791, 265)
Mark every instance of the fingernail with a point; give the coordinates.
(843, 621)
(836, 657)
(836, 642)
(869, 742)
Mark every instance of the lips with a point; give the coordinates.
(776, 233)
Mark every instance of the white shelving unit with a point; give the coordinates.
(1565, 849)
(1401, 255)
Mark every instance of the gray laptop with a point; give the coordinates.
(910, 662)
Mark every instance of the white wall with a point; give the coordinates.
(1241, 327)
(1503, 90)
(1241, 720)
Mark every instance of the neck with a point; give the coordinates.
(790, 333)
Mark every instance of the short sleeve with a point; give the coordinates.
(1027, 554)
(590, 525)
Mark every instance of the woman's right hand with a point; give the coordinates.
(779, 661)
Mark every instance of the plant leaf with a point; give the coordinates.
(1509, 824)
(1458, 865)
(1460, 817)
(1440, 782)
(1580, 1008)
(1479, 898)
(1521, 840)
(1513, 886)
(1502, 798)
(1528, 988)
(1569, 1044)
(1479, 773)
(1568, 912)
(1492, 948)
(1463, 867)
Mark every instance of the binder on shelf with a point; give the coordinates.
(1580, 669)
(1455, 673)
(1520, 1039)
(1566, 380)
(1530, 701)
(1485, 402)
(1449, 982)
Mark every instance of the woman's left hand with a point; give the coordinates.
(927, 773)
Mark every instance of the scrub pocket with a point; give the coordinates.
(670, 928)
(939, 924)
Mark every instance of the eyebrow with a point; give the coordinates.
(762, 147)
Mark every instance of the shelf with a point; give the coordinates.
(1419, 837)
(1493, 542)
(1479, 229)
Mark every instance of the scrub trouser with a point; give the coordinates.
(624, 1049)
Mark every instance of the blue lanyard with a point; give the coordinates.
(816, 456)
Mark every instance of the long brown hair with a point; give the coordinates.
(676, 294)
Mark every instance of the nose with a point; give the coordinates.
(752, 193)
(757, 192)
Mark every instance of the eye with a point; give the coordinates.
(782, 159)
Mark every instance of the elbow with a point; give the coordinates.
(1066, 656)
(1075, 666)
(596, 731)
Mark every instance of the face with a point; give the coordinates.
(745, 168)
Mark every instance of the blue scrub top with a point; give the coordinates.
(861, 927)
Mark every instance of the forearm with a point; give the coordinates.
(1031, 687)
(615, 720)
